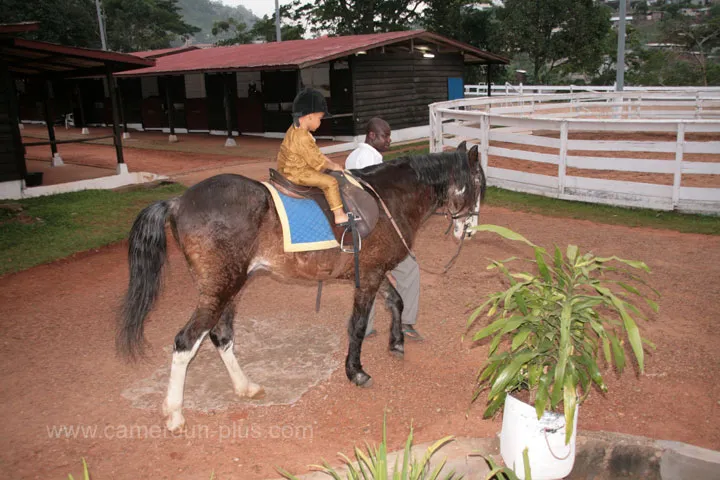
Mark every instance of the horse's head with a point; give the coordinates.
(466, 191)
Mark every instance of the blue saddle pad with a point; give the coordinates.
(305, 226)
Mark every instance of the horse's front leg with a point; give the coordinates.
(394, 303)
(364, 298)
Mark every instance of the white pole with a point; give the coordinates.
(103, 42)
(277, 21)
(620, 77)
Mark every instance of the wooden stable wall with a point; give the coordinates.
(399, 87)
(12, 158)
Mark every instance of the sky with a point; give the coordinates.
(258, 7)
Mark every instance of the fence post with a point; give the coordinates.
(433, 129)
(562, 164)
(484, 142)
(679, 150)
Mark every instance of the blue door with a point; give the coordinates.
(456, 88)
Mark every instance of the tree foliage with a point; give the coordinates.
(234, 32)
(134, 25)
(556, 34)
(131, 24)
(352, 17)
(67, 22)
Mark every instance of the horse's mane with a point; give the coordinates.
(433, 169)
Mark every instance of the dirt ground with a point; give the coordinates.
(60, 369)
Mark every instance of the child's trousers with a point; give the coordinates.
(326, 183)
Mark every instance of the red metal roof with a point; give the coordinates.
(295, 53)
(163, 51)
(30, 57)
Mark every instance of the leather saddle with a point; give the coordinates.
(355, 200)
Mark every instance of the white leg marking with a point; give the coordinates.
(241, 383)
(172, 408)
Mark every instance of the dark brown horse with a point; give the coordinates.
(228, 228)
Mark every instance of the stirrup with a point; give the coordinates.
(350, 227)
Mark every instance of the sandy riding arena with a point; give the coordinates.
(67, 396)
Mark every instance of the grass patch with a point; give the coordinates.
(53, 227)
(631, 217)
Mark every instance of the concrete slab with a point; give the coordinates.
(261, 346)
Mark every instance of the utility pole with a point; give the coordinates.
(277, 21)
(620, 65)
(103, 42)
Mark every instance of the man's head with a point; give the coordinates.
(377, 134)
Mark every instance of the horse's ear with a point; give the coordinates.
(462, 148)
(473, 157)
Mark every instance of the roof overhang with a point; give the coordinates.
(251, 58)
(34, 58)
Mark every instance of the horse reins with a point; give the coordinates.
(407, 247)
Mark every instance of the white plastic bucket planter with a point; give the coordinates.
(550, 458)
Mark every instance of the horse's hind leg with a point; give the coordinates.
(187, 343)
(394, 303)
(222, 337)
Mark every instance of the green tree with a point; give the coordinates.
(697, 37)
(290, 28)
(67, 22)
(351, 17)
(565, 35)
(233, 32)
(134, 25)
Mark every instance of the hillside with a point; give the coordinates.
(203, 13)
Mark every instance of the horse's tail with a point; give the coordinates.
(146, 256)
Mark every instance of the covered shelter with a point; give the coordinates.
(250, 88)
(46, 68)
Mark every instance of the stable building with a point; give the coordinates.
(46, 68)
(249, 89)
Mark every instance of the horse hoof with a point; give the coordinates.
(175, 422)
(255, 391)
(398, 350)
(362, 379)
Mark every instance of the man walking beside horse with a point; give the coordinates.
(407, 273)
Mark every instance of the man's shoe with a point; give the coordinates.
(412, 334)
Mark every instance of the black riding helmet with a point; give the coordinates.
(309, 101)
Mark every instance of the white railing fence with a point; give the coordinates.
(509, 89)
(649, 149)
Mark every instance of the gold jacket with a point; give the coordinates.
(299, 153)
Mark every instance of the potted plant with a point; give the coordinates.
(555, 323)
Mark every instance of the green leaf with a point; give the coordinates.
(503, 232)
(541, 397)
(495, 405)
(526, 462)
(520, 338)
(618, 353)
(570, 403)
(510, 371)
(490, 329)
(542, 266)
(572, 251)
(652, 305)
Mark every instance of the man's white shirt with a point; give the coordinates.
(363, 156)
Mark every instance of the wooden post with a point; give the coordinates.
(121, 102)
(562, 164)
(55, 159)
(230, 141)
(484, 142)
(432, 129)
(170, 110)
(679, 151)
(489, 67)
(117, 139)
(83, 125)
